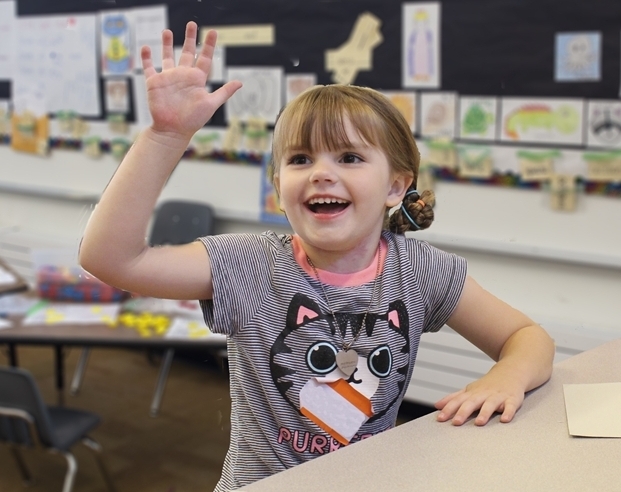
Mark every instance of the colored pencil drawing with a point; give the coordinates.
(477, 118)
(578, 56)
(438, 114)
(405, 102)
(604, 124)
(420, 45)
(542, 120)
(116, 55)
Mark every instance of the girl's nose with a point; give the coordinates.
(322, 170)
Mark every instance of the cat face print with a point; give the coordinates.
(303, 359)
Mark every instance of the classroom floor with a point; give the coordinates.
(180, 450)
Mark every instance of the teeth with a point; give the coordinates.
(314, 201)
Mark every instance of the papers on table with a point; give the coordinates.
(16, 304)
(162, 318)
(5, 323)
(593, 410)
(57, 313)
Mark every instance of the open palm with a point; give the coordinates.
(179, 103)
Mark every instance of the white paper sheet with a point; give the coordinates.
(261, 95)
(55, 61)
(148, 24)
(593, 410)
(8, 18)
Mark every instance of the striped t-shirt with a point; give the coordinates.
(290, 401)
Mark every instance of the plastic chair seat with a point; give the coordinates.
(69, 425)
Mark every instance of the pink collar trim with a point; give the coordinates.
(339, 279)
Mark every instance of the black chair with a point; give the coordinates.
(26, 421)
(174, 222)
(177, 222)
(181, 222)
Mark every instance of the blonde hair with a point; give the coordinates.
(316, 120)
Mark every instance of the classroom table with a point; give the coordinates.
(91, 335)
(535, 452)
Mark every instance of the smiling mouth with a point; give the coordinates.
(327, 205)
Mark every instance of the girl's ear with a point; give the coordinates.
(400, 184)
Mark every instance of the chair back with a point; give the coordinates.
(19, 391)
(181, 222)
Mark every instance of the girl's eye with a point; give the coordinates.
(351, 159)
(299, 159)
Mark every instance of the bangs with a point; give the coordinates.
(316, 121)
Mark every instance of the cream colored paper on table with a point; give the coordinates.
(593, 410)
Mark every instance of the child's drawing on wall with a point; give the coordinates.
(578, 56)
(116, 56)
(542, 120)
(604, 124)
(421, 35)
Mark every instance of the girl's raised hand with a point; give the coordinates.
(179, 103)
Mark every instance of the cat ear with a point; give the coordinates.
(302, 310)
(304, 315)
(393, 318)
(397, 315)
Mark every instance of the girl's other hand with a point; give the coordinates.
(179, 103)
(485, 397)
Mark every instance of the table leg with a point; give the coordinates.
(161, 382)
(12, 355)
(60, 373)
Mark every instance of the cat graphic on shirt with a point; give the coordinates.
(306, 349)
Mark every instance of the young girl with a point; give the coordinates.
(323, 325)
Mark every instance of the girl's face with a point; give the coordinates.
(336, 200)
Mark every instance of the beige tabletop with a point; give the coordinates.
(535, 452)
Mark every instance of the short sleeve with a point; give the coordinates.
(441, 277)
(240, 269)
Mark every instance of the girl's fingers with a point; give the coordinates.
(189, 45)
(203, 61)
(509, 412)
(147, 62)
(225, 92)
(168, 55)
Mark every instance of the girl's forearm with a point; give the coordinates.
(528, 355)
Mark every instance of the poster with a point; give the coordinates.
(295, 84)
(55, 61)
(261, 94)
(437, 110)
(477, 118)
(604, 124)
(405, 102)
(420, 63)
(542, 120)
(148, 24)
(578, 57)
(115, 43)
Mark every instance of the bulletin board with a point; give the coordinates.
(502, 50)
